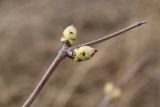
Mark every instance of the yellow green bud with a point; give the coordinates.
(112, 91)
(84, 53)
(69, 35)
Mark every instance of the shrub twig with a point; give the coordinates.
(107, 37)
(67, 52)
(126, 78)
(45, 78)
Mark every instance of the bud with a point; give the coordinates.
(112, 91)
(69, 36)
(84, 53)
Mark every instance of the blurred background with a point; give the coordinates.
(30, 32)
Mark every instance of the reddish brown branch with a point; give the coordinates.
(45, 78)
(67, 52)
(111, 35)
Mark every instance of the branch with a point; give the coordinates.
(105, 101)
(107, 37)
(126, 78)
(61, 55)
(133, 71)
(67, 52)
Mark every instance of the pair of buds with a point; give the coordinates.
(113, 91)
(79, 54)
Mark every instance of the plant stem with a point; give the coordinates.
(102, 39)
(66, 51)
(133, 71)
(126, 78)
(61, 55)
(105, 101)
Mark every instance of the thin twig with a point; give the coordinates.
(133, 71)
(102, 39)
(44, 79)
(105, 101)
(72, 84)
(67, 52)
(125, 80)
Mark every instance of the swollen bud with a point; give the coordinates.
(84, 53)
(69, 35)
(112, 91)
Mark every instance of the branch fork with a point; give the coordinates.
(68, 51)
